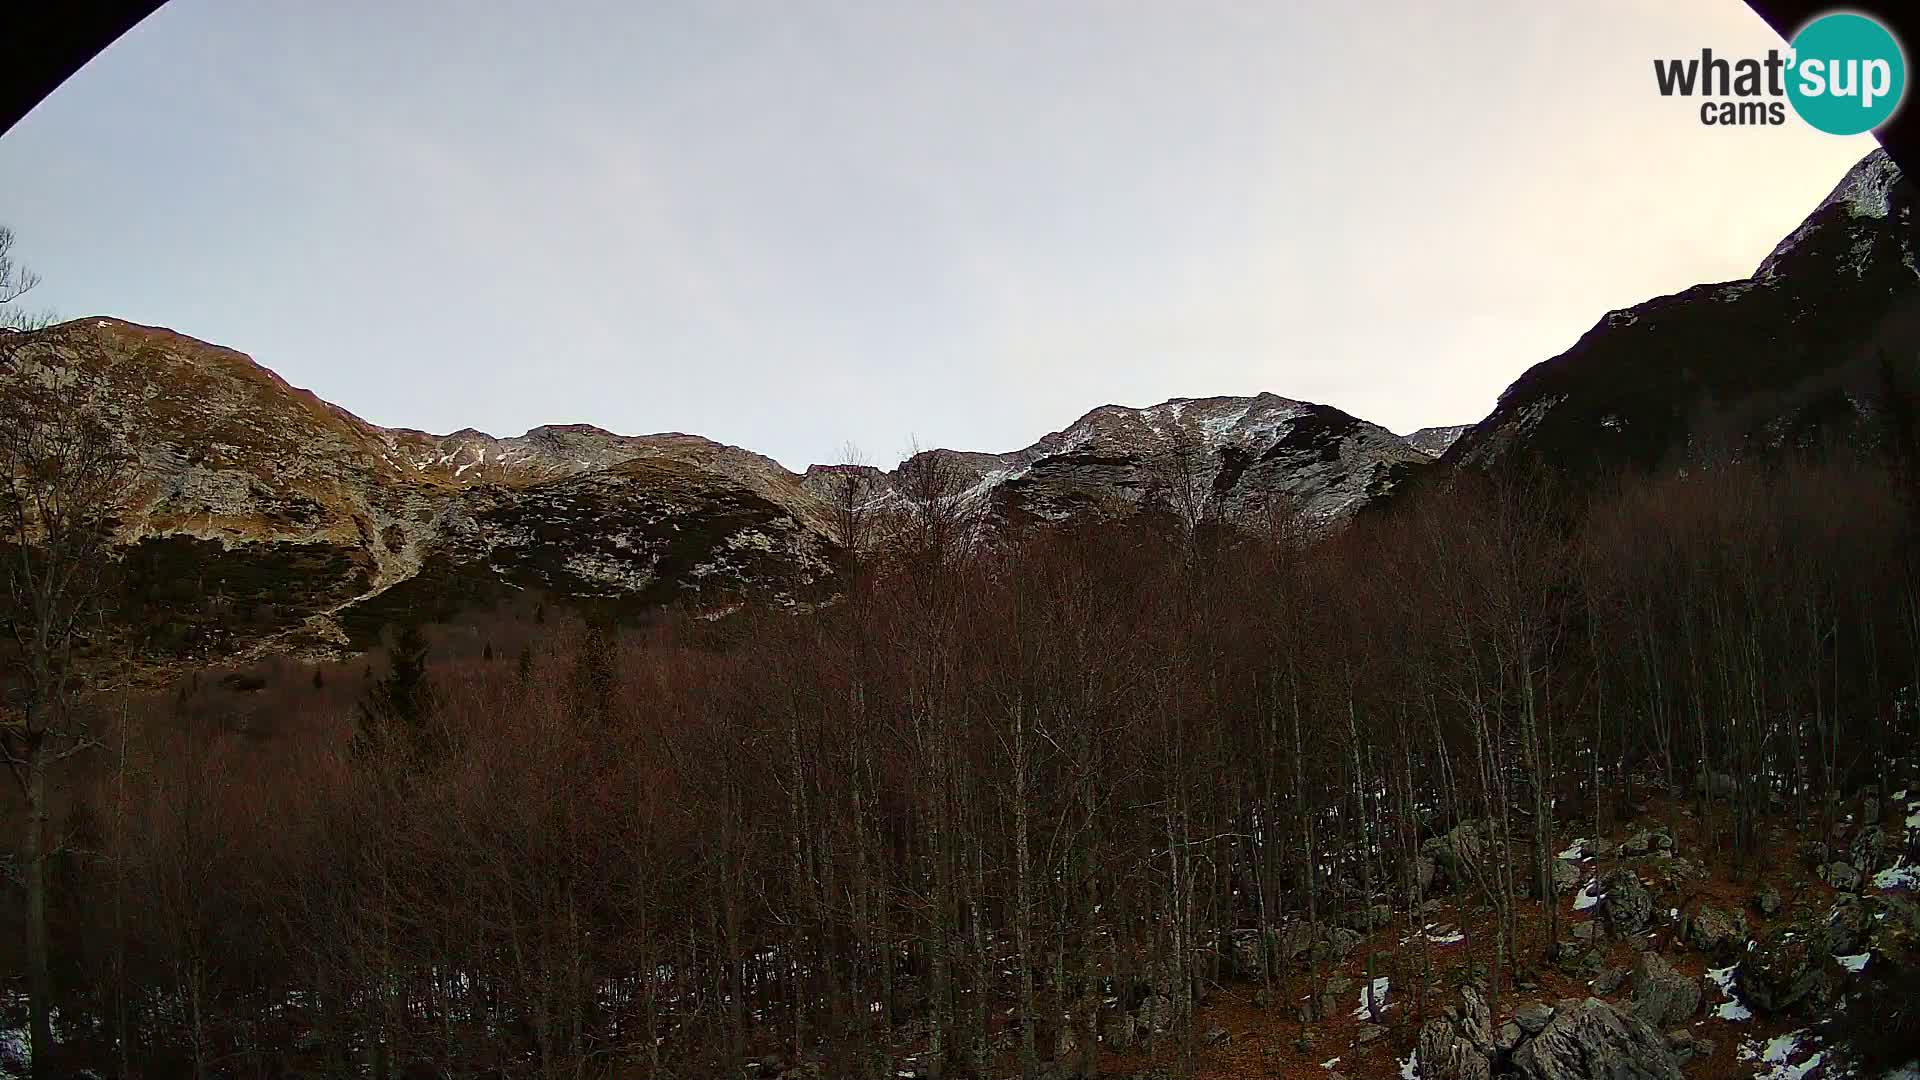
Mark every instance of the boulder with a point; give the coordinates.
(1610, 980)
(1784, 969)
(1336, 945)
(1871, 851)
(1715, 932)
(1365, 920)
(1297, 939)
(1156, 1017)
(1893, 917)
(1476, 1021)
(1244, 954)
(1716, 785)
(1662, 996)
(1842, 876)
(1576, 960)
(1444, 1055)
(1686, 1045)
(1592, 1040)
(1425, 873)
(1566, 876)
(1626, 904)
(1849, 927)
(1533, 1018)
(1456, 855)
(1768, 901)
(1508, 1037)
(1367, 1033)
(1646, 843)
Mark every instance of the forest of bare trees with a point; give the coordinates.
(1010, 801)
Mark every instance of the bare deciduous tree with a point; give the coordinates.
(16, 281)
(62, 480)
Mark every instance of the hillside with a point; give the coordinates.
(1819, 344)
(269, 520)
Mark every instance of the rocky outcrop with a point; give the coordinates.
(1591, 1040)
(1434, 441)
(1626, 904)
(266, 519)
(1231, 458)
(1648, 842)
(1662, 996)
(1716, 932)
(1872, 850)
(1444, 1054)
(1785, 969)
(1843, 876)
(1453, 858)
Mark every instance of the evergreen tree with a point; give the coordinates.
(396, 711)
(593, 674)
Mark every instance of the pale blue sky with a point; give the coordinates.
(787, 224)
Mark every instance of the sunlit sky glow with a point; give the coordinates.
(793, 225)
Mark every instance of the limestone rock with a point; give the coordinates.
(1444, 1055)
(1626, 905)
(1592, 1040)
(1662, 996)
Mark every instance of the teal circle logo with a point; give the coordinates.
(1848, 74)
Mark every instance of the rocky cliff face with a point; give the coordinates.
(1434, 441)
(1820, 344)
(1235, 455)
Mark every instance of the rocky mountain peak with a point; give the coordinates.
(1820, 344)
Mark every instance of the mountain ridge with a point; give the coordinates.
(1820, 343)
(263, 498)
(267, 518)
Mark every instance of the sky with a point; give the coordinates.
(792, 226)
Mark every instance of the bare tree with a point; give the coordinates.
(16, 281)
(852, 495)
(940, 514)
(62, 480)
(1183, 475)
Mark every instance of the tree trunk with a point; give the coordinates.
(39, 976)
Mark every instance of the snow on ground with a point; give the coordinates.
(1775, 1059)
(1379, 997)
(1330, 1063)
(1900, 877)
(1732, 1008)
(1587, 897)
(1572, 854)
(1855, 964)
(1436, 934)
(1410, 1068)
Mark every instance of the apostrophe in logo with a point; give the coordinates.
(1847, 74)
